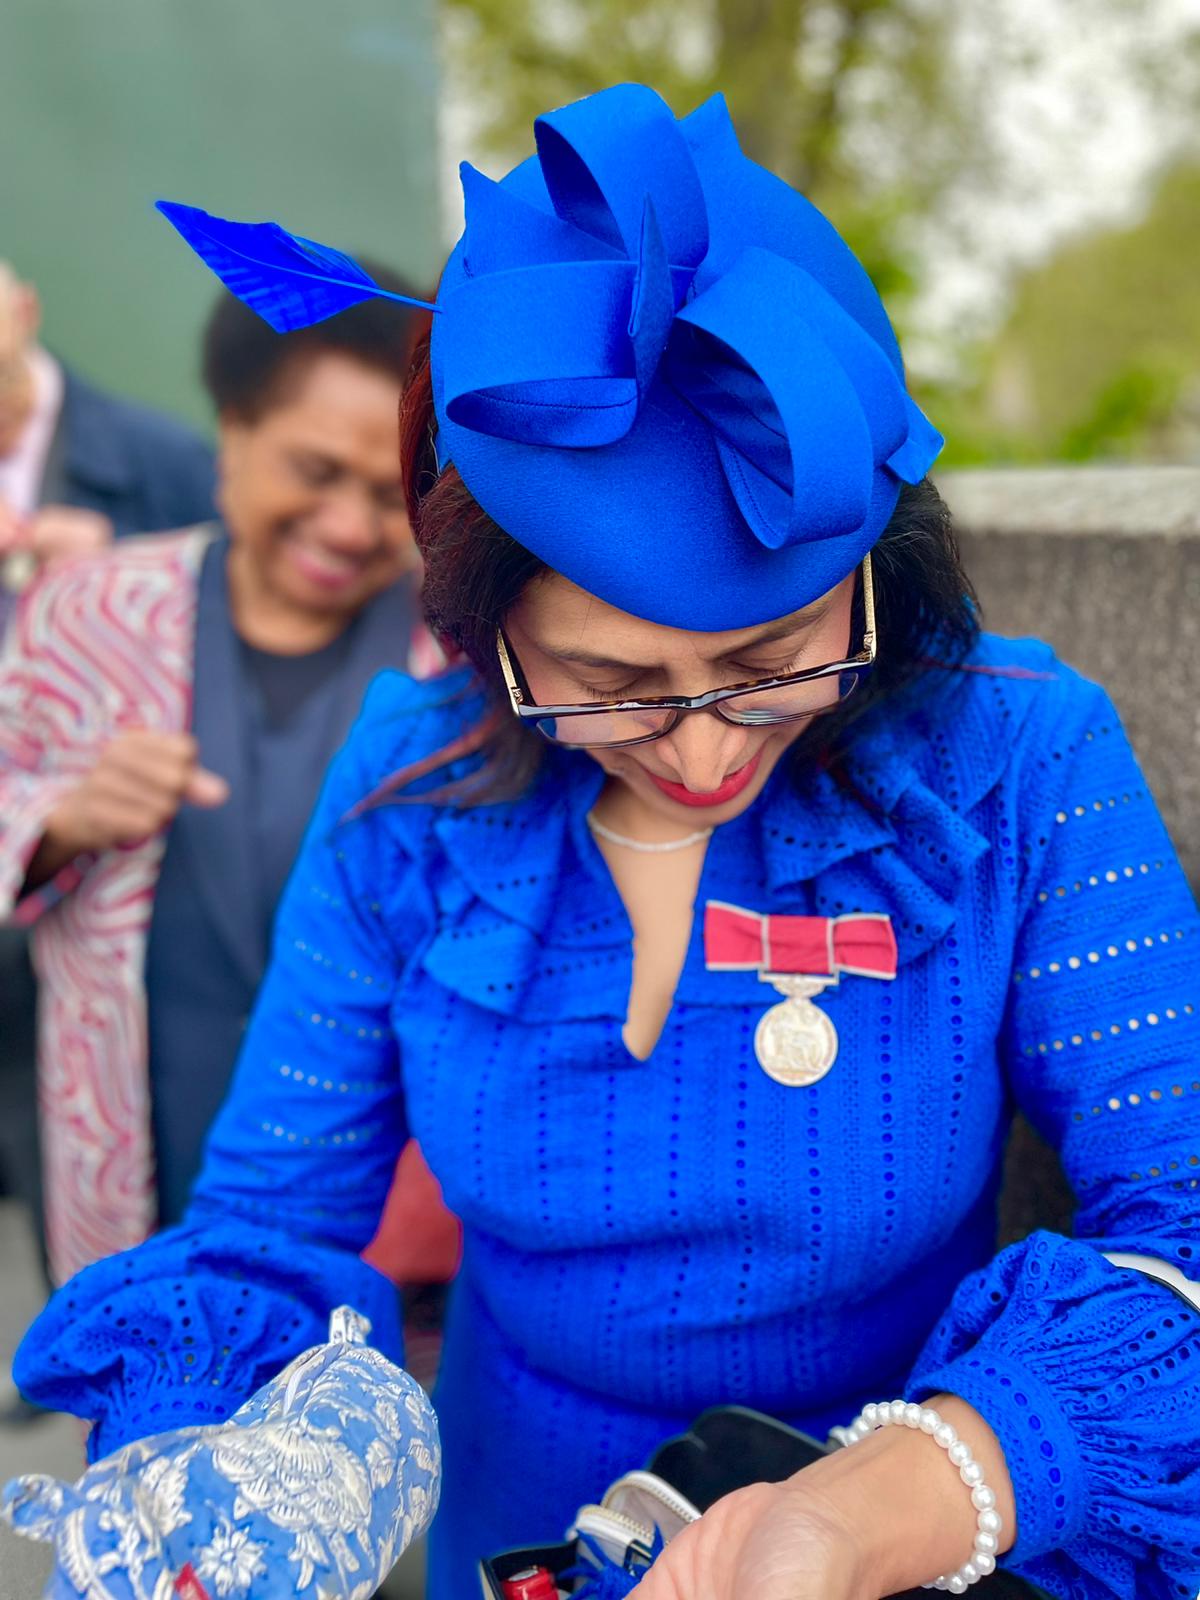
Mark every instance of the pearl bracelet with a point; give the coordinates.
(924, 1419)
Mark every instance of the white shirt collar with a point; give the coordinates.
(23, 470)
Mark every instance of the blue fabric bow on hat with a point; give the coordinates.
(662, 370)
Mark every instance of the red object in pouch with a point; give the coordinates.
(534, 1583)
(188, 1586)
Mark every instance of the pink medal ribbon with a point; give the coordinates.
(795, 1042)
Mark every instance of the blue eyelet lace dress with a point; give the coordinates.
(648, 1238)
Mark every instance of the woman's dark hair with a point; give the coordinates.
(927, 617)
(248, 368)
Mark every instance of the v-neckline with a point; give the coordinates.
(593, 857)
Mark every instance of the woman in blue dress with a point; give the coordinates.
(706, 925)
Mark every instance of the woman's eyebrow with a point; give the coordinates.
(771, 634)
(583, 658)
(796, 623)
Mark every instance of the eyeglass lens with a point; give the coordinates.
(787, 702)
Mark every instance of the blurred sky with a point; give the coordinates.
(1082, 136)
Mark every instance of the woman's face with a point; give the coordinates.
(574, 648)
(312, 493)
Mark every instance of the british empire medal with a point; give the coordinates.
(795, 1042)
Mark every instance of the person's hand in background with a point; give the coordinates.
(54, 532)
(50, 534)
(139, 781)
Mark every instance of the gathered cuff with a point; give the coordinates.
(186, 1327)
(1041, 1450)
(1090, 1377)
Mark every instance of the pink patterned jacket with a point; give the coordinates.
(97, 645)
(100, 644)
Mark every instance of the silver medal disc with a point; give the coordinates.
(796, 1043)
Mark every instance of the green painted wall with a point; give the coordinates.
(320, 114)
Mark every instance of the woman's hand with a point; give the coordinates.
(141, 778)
(773, 1541)
(885, 1515)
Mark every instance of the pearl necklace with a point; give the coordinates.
(598, 828)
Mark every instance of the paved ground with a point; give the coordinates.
(55, 1444)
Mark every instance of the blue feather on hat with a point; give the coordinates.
(290, 281)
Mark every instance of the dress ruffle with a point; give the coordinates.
(507, 938)
(896, 815)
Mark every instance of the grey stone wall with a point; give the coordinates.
(1104, 564)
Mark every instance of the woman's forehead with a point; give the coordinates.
(566, 621)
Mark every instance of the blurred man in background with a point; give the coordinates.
(167, 710)
(78, 466)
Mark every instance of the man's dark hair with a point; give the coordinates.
(248, 368)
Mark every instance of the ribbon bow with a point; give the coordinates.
(590, 277)
(862, 944)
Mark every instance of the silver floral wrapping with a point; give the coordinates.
(309, 1492)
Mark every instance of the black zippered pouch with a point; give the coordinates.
(726, 1448)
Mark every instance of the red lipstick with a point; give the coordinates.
(729, 790)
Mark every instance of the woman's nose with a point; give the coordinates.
(350, 520)
(701, 751)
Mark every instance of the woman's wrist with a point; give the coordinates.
(904, 1506)
(57, 848)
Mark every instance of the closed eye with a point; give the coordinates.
(590, 692)
(315, 470)
(779, 669)
(740, 672)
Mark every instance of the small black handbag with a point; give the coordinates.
(726, 1448)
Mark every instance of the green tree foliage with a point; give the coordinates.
(825, 94)
(1100, 356)
(884, 112)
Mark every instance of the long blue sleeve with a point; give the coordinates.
(185, 1327)
(1088, 1372)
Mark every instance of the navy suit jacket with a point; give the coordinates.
(145, 470)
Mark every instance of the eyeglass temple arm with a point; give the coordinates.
(506, 668)
(868, 606)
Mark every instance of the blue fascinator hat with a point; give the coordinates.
(656, 366)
